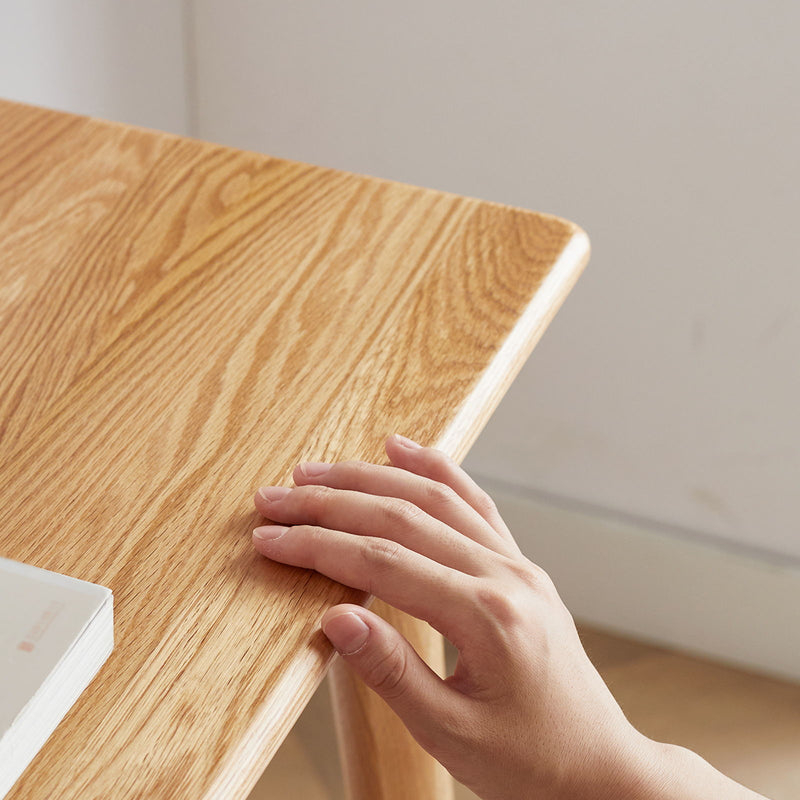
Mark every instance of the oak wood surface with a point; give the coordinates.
(180, 323)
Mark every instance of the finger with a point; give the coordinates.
(389, 665)
(437, 466)
(404, 579)
(436, 499)
(367, 515)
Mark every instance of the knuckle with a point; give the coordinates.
(511, 604)
(380, 554)
(501, 607)
(439, 495)
(484, 504)
(533, 578)
(398, 512)
(388, 672)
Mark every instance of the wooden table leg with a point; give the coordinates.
(380, 759)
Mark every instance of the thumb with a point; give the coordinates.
(390, 666)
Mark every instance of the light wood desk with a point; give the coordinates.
(181, 323)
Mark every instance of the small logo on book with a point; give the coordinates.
(28, 644)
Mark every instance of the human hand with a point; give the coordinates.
(525, 713)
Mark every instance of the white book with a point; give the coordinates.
(55, 634)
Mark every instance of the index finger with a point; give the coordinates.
(404, 579)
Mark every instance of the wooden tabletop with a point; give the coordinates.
(180, 323)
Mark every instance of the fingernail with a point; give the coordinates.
(407, 442)
(313, 469)
(271, 493)
(348, 633)
(267, 533)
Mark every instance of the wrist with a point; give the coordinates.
(672, 772)
(630, 767)
(643, 772)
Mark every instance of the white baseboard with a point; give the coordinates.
(666, 588)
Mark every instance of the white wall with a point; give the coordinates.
(668, 387)
(119, 59)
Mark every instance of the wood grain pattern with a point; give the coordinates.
(180, 323)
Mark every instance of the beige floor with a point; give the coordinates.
(746, 725)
